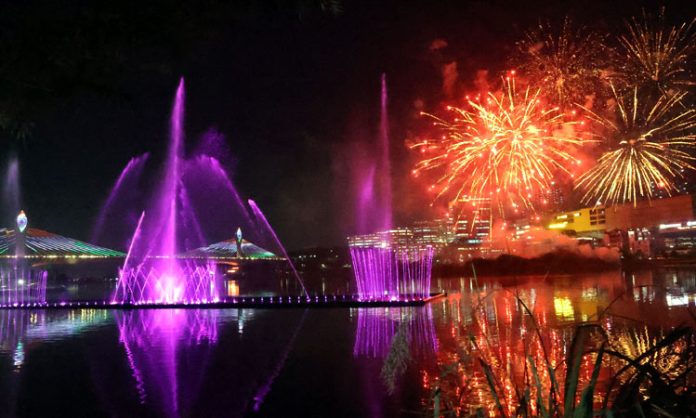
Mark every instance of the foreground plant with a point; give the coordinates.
(586, 370)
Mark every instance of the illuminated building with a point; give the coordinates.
(651, 214)
(397, 237)
(654, 227)
(585, 221)
(556, 196)
(645, 214)
(551, 199)
(461, 228)
(677, 238)
(480, 226)
(480, 220)
(437, 233)
(452, 239)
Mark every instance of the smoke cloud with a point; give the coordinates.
(538, 241)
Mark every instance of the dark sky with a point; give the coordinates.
(290, 85)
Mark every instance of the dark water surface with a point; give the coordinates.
(376, 362)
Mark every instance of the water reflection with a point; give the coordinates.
(361, 362)
(524, 327)
(160, 362)
(377, 327)
(168, 351)
(19, 328)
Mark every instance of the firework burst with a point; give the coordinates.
(649, 150)
(507, 149)
(659, 55)
(566, 62)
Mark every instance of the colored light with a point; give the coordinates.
(22, 221)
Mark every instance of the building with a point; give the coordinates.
(437, 233)
(645, 214)
(400, 237)
(590, 222)
(479, 222)
(650, 227)
(651, 214)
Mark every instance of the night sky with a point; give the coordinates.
(293, 86)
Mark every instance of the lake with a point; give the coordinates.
(328, 362)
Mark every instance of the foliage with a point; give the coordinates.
(606, 373)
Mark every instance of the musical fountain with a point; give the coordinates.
(389, 264)
(167, 265)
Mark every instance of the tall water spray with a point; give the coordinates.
(260, 216)
(192, 188)
(385, 172)
(126, 180)
(20, 284)
(11, 193)
(172, 175)
(152, 271)
(385, 267)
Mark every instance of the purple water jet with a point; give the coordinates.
(372, 175)
(366, 196)
(152, 271)
(211, 179)
(260, 216)
(169, 193)
(385, 270)
(387, 273)
(12, 198)
(19, 284)
(385, 175)
(127, 179)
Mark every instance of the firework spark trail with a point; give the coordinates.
(507, 149)
(657, 54)
(566, 61)
(649, 148)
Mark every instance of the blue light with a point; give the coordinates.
(22, 221)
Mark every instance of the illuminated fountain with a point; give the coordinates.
(20, 285)
(388, 265)
(389, 272)
(127, 180)
(194, 201)
(152, 272)
(262, 218)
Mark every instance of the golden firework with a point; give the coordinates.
(507, 148)
(568, 63)
(649, 149)
(658, 55)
